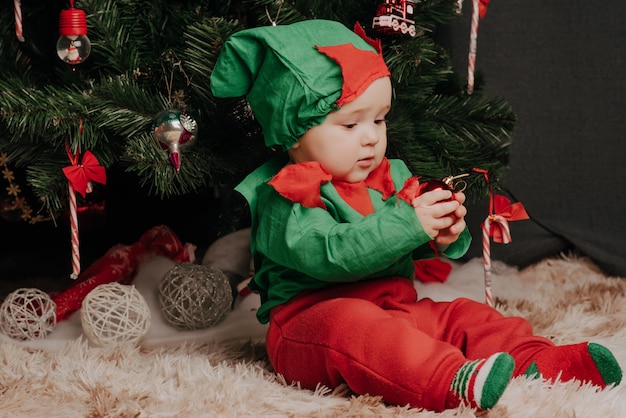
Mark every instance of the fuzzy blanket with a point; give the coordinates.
(223, 371)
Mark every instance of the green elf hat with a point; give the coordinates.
(294, 75)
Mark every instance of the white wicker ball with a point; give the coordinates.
(115, 314)
(194, 296)
(27, 314)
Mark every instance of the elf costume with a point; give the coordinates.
(334, 261)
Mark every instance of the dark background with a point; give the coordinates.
(561, 65)
(39, 255)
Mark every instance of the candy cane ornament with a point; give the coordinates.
(479, 8)
(74, 233)
(501, 211)
(473, 45)
(79, 177)
(505, 239)
(17, 6)
(487, 263)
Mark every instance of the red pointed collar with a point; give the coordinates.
(301, 182)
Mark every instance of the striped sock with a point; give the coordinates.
(481, 383)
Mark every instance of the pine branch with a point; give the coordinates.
(203, 42)
(453, 135)
(148, 57)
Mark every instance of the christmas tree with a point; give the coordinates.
(147, 58)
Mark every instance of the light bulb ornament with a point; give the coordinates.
(73, 45)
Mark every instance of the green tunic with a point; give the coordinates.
(296, 248)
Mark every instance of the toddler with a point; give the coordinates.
(336, 227)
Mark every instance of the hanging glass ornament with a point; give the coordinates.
(175, 130)
(395, 17)
(73, 45)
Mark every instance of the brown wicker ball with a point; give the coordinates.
(194, 296)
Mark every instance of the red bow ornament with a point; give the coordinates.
(482, 8)
(79, 175)
(501, 211)
(497, 224)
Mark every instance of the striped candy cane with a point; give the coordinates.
(506, 238)
(17, 6)
(74, 234)
(487, 261)
(472, 48)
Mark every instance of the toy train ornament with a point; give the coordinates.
(395, 17)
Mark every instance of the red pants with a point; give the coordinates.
(375, 337)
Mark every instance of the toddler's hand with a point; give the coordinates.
(449, 235)
(442, 220)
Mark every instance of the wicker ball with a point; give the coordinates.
(27, 314)
(194, 296)
(115, 314)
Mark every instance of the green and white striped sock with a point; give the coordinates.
(481, 383)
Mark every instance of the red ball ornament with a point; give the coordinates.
(447, 183)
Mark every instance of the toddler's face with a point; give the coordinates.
(352, 141)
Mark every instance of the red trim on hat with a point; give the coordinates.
(358, 67)
(358, 29)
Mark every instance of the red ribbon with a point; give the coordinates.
(482, 8)
(501, 211)
(504, 211)
(120, 264)
(79, 175)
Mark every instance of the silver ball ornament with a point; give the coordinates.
(174, 130)
(194, 296)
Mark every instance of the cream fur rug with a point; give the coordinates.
(224, 373)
